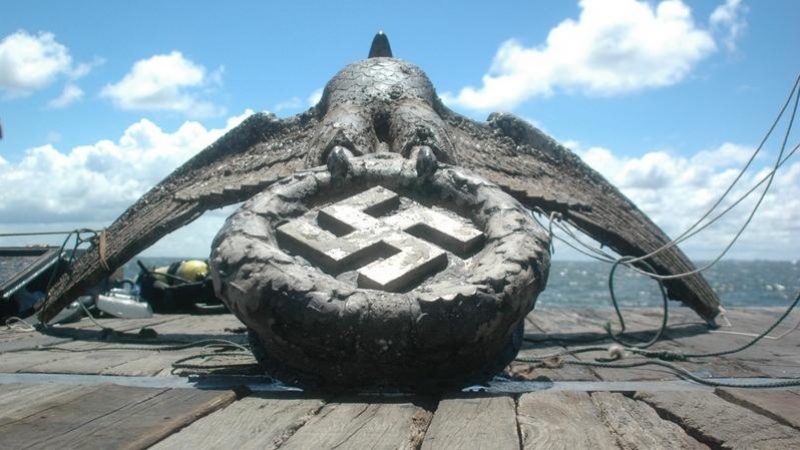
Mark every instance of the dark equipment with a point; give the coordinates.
(170, 290)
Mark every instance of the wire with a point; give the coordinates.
(664, 317)
(666, 358)
(780, 160)
(632, 262)
(693, 230)
(756, 339)
(44, 233)
(79, 240)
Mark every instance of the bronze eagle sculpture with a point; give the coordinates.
(385, 104)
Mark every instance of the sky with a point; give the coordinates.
(101, 100)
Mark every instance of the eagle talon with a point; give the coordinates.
(339, 162)
(427, 164)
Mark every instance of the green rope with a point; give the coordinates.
(665, 358)
(756, 339)
(665, 317)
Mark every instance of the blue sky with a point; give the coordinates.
(100, 100)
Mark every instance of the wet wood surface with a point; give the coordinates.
(89, 411)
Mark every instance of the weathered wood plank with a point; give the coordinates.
(151, 363)
(752, 319)
(579, 328)
(781, 405)
(355, 424)
(547, 420)
(17, 341)
(552, 372)
(634, 425)
(15, 332)
(472, 423)
(569, 324)
(129, 357)
(688, 335)
(86, 358)
(643, 323)
(754, 362)
(254, 422)
(31, 343)
(23, 400)
(24, 361)
(15, 359)
(538, 341)
(113, 323)
(109, 417)
(721, 424)
(189, 329)
(768, 357)
(214, 326)
(775, 357)
(52, 416)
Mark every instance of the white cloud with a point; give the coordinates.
(91, 185)
(315, 97)
(32, 62)
(727, 19)
(70, 95)
(676, 191)
(167, 83)
(614, 47)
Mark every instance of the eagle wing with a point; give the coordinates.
(250, 157)
(539, 172)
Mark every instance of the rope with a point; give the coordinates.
(665, 358)
(13, 324)
(91, 317)
(664, 318)
(181, 363)
(756, 339)
(101, 250)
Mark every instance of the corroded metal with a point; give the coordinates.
(383, 104)
(357, 233)
(383, 279)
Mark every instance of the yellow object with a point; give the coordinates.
(189, 271)
(193, 270)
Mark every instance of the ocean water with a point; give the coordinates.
(737, 283)
(585, 283)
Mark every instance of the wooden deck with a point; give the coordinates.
(81, 387)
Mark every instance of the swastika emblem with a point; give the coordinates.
(390, 247)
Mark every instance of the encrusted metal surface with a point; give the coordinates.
(383, 104)
(426, 313)
(371, 233)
